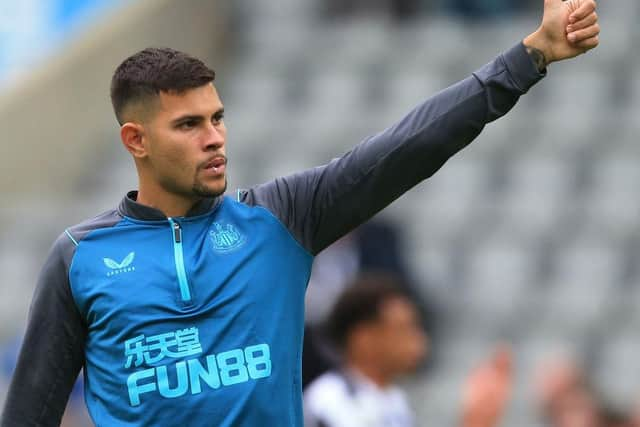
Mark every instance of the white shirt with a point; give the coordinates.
(335, 400)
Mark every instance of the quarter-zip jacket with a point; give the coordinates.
(198, 320)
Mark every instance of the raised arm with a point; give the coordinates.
(52, 352)
(322, 204)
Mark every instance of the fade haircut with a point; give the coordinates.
(362, 303)
(142, 76)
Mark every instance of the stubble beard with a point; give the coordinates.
(201, 190)
(198, 189)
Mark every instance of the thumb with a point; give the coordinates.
(551, 5)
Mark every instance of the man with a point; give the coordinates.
(185, 307)
(379, 335)
(378, 332)
(374, 246)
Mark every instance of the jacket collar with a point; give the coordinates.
(131, 208)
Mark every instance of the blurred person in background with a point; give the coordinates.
(378, 332)
(180, 271)
(376, 247)
(566, 398)
(577, 408)
(555, 379)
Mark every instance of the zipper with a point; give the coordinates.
(178, 256)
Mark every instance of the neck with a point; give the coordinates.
(172, 205)
(371, 370)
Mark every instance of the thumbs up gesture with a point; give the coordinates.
(568, 29)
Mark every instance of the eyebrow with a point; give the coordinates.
(193, 117)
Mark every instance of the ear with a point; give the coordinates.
(133, 139)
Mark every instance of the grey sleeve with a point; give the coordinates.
(322, 204)
(52, 352)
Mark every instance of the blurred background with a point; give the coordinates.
(530, 236)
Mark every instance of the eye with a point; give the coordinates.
(217, 118)
(186, 125)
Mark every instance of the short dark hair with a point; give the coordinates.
(145, 74)
(361, 303)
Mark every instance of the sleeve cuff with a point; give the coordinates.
(521, 67)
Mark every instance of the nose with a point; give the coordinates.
(215, 137)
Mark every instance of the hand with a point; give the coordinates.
(487, 391)
(568, 29)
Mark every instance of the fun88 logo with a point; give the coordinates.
(214, 370)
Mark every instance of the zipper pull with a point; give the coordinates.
(177, 232)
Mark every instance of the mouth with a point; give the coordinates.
(216, 166)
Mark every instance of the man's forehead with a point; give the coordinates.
(200, 100)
